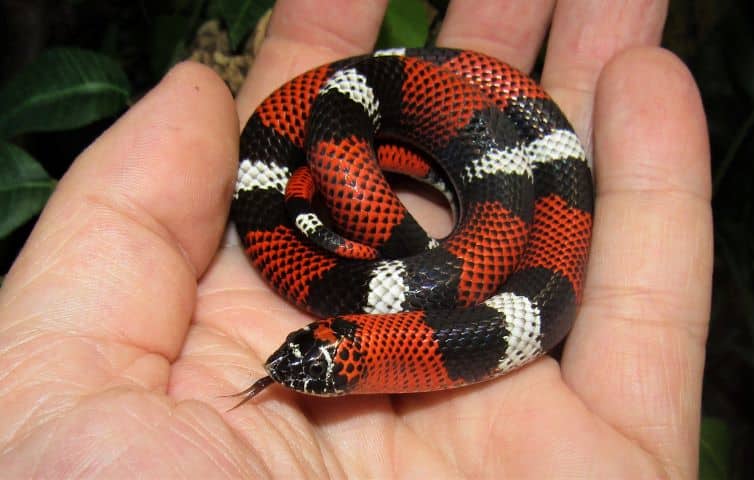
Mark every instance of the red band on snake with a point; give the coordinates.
(401, 311)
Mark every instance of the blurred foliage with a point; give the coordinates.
(406, 24)
(714, 37)
(716, 40)
(63, 88)
(714, 449)
(24, 187)
(240, 16)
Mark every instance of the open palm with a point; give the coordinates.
(122, 322)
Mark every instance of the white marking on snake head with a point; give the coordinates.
(330, 363)
(295, 350)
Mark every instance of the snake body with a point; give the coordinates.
(401, 311)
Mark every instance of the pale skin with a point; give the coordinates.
(129, 314)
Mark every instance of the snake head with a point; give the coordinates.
(307, 362)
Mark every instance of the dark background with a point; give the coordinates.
(715, 38)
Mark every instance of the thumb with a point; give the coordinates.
(103, 291)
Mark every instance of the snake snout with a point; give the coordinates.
(304, 363)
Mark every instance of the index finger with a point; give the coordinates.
(636, 353)
(301, 37)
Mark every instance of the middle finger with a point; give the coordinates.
(585, 34)
(510, 31)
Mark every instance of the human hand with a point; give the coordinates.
(122, 323)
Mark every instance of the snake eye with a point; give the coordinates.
(317, 368)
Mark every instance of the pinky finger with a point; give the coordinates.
(636, 353)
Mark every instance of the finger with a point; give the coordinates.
(510, 31)
(104, 289)
(636, 353)
(304, 34)
(585, 34)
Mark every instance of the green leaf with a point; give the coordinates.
(241, 16)
(167, 45)
(715, 449)
(64, 88)
(24, 187)
(406, 24)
